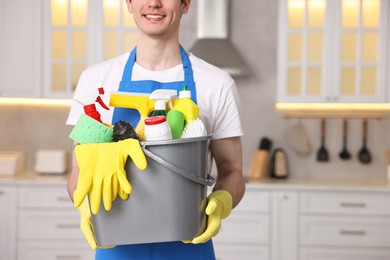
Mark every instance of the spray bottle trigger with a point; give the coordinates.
(100, 101)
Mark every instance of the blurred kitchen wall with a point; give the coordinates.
(254, 33)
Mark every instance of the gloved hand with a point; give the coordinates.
(102, 172)
(219, 206)
(86, 225)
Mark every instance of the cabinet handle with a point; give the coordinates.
(353, 232)
(68, 226)
(352, 205)
(63, 257)
(63, 199)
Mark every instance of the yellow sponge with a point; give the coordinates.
(88, 130)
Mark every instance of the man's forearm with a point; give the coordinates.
(233, 183)
(228, 158)
(73, 177)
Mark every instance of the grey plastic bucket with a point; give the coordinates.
(168, 197)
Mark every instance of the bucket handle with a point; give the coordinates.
(208, 181)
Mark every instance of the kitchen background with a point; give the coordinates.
(254, 31)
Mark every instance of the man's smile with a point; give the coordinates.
(154, 16)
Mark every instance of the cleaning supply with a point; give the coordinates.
(195, 128)
(87, 130)
(157, 128)
(123, 130)
(102, 167)
(138, 101)
(187, 106)
(175, 119)
(88, 99)
(258, 168)
(162, 97)
(219, 206)
(279, 167)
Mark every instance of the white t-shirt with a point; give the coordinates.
(216, 92)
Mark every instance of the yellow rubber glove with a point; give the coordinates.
(219, 206)
(102, 172)
(86, 225)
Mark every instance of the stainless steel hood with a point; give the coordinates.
(213, 44)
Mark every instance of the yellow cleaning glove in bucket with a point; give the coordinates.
(102, 172)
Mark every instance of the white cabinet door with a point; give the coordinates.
(236, 251)
(7, 223)
(20, 56)
(49, 250)
(333, 51)
(77, 36)
(344, 254)
(284, 225)
(345, 231)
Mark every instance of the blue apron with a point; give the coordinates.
(148, 86)
(154, 251)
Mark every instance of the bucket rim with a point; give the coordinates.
(177, 141)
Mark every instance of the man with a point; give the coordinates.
(159, 60)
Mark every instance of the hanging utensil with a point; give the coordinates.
(364, 154)
(345, 154)
(322, 153)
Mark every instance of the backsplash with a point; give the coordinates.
(30, 128)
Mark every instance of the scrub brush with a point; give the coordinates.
(194, 129)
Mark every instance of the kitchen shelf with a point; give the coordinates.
(333, 110)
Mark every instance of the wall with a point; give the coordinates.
(254, 33)
(30, 128)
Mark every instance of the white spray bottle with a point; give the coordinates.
(161, 97)
(88, 99)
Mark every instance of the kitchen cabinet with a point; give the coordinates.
(300, 223)
(354, 225)
(333, 51)
(7, 222)
(78, 34)
(20, 48)
(284, 225)
(48, 225)
(48, 43)
(245, 234)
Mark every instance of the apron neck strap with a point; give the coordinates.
(188, 75)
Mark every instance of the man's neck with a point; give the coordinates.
(158, 55)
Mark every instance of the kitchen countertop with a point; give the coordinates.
(34, 178)
(368, 185)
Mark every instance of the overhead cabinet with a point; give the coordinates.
(333, 51)
(79, 33)
(20, 48)
(46, 44)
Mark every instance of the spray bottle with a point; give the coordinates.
(187, 106)
(161, 97)
(88, 99)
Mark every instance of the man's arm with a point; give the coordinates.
(73, 177)
(227, 153)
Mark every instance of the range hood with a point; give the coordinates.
(213, 43)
